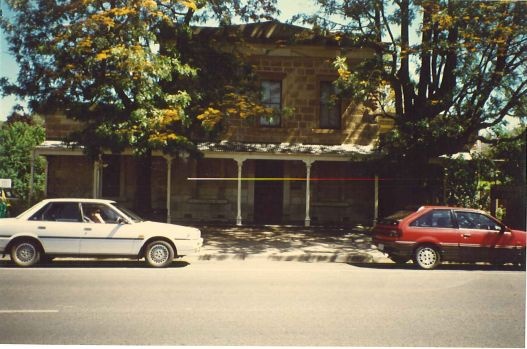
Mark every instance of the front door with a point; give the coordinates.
(482, 238)
(103, 232)
(268, 191)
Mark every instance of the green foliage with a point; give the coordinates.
(509, 153)
(17, 141)
(443, 70)
(469, 181)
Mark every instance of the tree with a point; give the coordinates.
(509, 156)
(443, 69)
(498, 172)
(129, 69)
(18, 137)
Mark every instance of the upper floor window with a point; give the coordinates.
(271, 98)
(329, 106)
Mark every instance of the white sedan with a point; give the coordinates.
(92, 228)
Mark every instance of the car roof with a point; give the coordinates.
(90, 200)
(451, 208)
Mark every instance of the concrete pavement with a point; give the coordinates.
(289, 243)
(284, 243)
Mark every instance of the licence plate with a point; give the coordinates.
(380, 247)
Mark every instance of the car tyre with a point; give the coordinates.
(159, 254)
(46, 259)
(427, 257)
(25, 253)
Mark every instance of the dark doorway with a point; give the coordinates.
(268, 191)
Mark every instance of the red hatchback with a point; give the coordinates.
(436, 233)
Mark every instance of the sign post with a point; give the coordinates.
(5, 183)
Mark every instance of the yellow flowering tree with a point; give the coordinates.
(130, 70)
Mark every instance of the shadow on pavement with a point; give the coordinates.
(94, 263)
(285, 243)
(445, 266)
(300, 257)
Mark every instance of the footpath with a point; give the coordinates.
(277, 243)
(289, 243)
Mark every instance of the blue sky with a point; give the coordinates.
(9, 69)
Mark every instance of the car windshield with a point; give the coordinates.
(394, 218)
(129, 213)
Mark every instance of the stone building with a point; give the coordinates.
(305, 168)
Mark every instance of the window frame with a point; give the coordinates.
(497, 224)
(42, 212)
(263, 121)
(453, 221)
(325, 105)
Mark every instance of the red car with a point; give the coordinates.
(436, 233)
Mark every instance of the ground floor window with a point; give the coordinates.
(328, 185)
(111, 176)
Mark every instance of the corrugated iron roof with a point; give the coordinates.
(286, 148)
(240, 147)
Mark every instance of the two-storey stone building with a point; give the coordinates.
(303, 168)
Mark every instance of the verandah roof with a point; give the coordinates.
(349, 151)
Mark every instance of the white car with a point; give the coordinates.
(92, 228)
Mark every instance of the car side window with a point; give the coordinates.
(434, 219)
(474, 220)
(99, 213)
(58, 211)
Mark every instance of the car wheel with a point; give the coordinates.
(427, 257)
(159, 254)
(399, 259)
(25, 253)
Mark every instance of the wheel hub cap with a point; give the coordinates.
(427, 257)
(159, 254)
(25, 252)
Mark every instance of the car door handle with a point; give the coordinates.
(87, 229)
(467, 235)
(41, 227)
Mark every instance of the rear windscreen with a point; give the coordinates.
(394, 218)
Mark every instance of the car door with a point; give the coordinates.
(58, 225)
(105, 235)
(482, 237)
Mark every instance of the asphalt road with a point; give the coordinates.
(261, 302)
